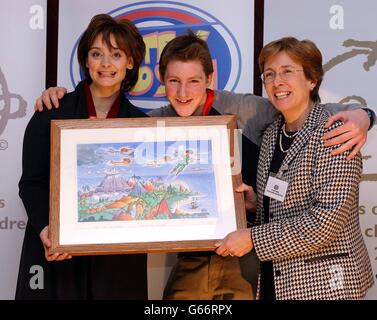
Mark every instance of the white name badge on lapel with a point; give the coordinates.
(276, 188)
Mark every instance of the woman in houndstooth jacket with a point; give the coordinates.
(307, 235)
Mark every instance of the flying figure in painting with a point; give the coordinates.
(124, 162)
(125, 150)
(183, 163)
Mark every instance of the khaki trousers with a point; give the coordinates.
(207, 278)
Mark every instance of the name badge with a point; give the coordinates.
(276, 188)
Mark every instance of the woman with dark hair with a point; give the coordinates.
(307, 233)
(110, 52)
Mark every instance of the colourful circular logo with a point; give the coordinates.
(161, 21)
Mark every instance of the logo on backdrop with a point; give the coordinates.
(6, 99)
(159, 22)
(368, 48)
(7, 223)
(357, 48)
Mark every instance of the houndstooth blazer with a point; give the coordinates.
(313, 237)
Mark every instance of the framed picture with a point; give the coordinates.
(144, 185)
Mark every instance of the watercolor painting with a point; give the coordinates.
(145, 181)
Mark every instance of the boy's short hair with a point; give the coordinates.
(186, 47)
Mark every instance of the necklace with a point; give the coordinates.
(286, 134)
(283, 132)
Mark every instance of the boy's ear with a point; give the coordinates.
(209, 79)
(159, 77)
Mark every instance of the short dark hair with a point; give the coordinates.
(127, 37)
(304, 52)
(186, 47)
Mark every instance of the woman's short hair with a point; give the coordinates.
(186, 47)
(127, 37)
(304, 52)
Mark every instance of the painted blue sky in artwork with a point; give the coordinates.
(144, 158)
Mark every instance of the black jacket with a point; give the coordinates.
(96, 277)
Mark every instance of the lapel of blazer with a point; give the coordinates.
(265, 158)
(302, 138)
(124, 108)
(81, 107)
(268, 148)
(128, 110)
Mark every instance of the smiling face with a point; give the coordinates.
(107, 66)
(290, 90)
(185, 86)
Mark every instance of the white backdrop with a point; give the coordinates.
(345, 32)
(22, 77)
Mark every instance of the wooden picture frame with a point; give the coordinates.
(144, 185)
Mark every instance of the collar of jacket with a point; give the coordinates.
(126, 109)
(311, 123)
